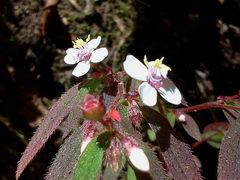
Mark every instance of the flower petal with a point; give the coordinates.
(170, 92)
(164, 72)
(135, 68)
(138, 158)
(94, 43)
(148, 94)
(71, 57)
(81, 69)
(98, 55)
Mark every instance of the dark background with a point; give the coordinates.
(200, 40)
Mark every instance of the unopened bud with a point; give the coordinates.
(92, 107)
(181, 117)
(136, 155)
(139, 159)
(113, 155)
(89, 131)
(135, 114)
(84, 144)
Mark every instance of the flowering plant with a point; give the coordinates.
(105, 122)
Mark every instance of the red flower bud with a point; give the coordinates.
(92, 107)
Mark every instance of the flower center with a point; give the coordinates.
(154, 77)
(84, 53)
(157, 72)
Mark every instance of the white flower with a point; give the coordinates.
(84, 52)
(155, 79)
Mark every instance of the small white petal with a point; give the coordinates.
(164, 72)
(148, 94)
(98, 55)
(70, 58)
(170, 92)
(84, 145)
(81, 69)
(94, 43)
(138, 158)
(135, 68)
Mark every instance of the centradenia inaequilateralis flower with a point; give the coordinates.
(84, 52)
(154, 75)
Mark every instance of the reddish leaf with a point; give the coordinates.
(50, 122)
(66, 158)
(176, 153)
(229, 155)
(191, 127)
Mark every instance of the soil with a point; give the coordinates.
(200, 41)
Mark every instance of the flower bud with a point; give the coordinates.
(135, 114)
(113, 155)
(136, 155)
(181, 117)
(89, 131)
(92, 107)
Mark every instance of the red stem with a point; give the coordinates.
(206, 106)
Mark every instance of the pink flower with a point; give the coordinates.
(154, 77)
(84, 52)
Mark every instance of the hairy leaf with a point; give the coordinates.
(71, 122)
(50, 122)
(176, 153)
(229, 155)
(191, 127)
(157, 171)
(90, 163)
(53, 119)
(214, 133)
(66, 158)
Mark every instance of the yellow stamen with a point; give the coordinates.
(158, 64)
(79, 42)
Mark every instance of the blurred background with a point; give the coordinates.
(200, 40)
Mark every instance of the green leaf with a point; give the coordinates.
(171, 117)
(214, 133)
(215, 138)
(131, 174)
(151, 135)
(89, 87)
(90, 163)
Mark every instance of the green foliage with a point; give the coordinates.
(90, 163)
(131, 174)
